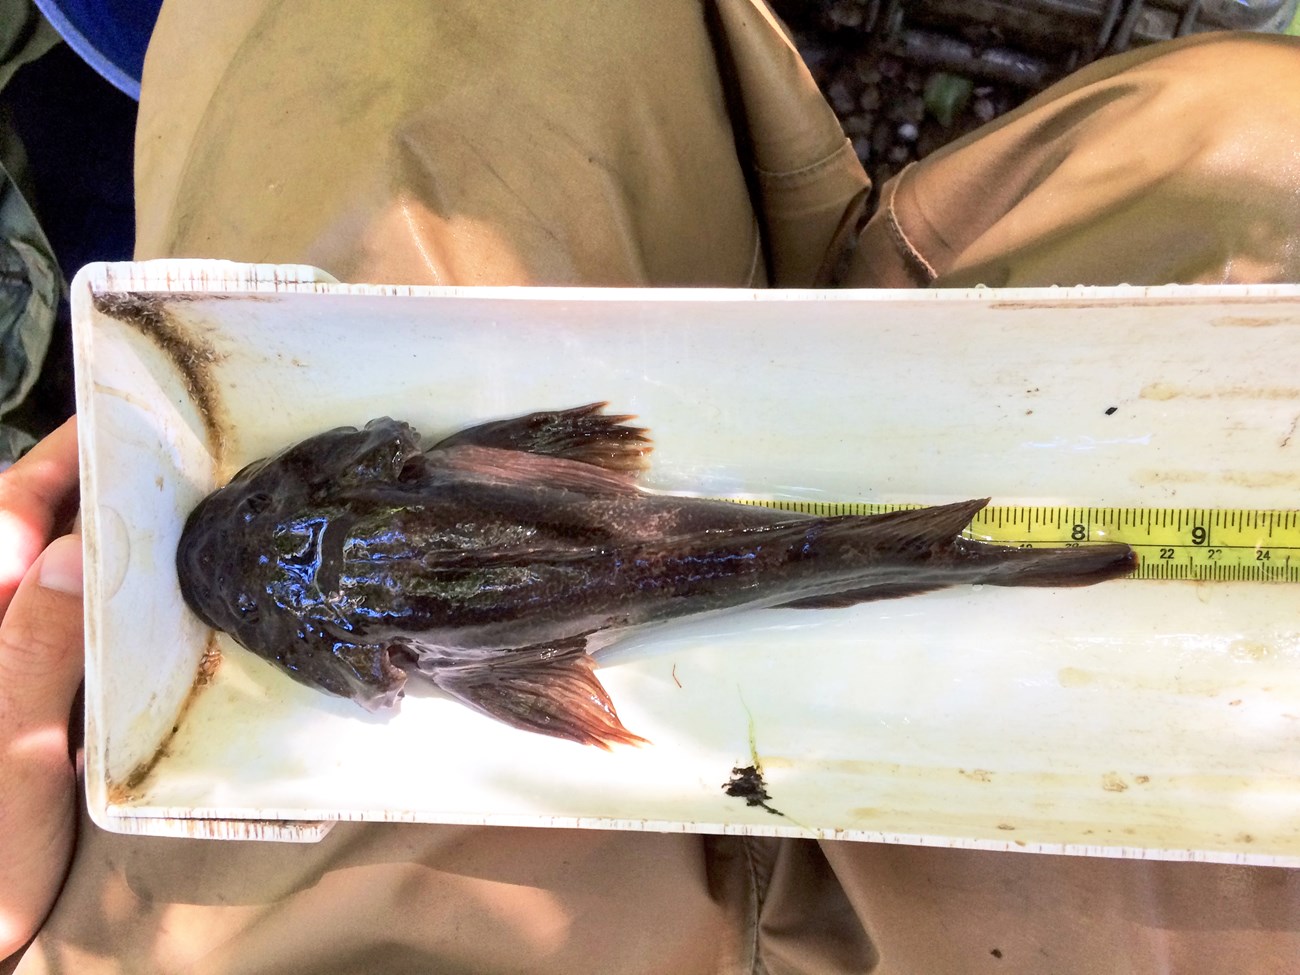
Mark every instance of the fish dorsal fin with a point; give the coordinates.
(552, 690)
(515, 467)
(584, 434)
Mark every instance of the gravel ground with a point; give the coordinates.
(894, 112)
(897, 112)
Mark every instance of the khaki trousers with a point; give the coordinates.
(672, 143)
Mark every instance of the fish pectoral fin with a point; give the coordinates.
(552, 690)
(364, 673)
(585, 434)
(347, 456)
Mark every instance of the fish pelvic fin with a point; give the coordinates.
(585, 434)
(552, 690)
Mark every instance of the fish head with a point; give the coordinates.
(251, 553)
(222, 556)
(231, 580)
(247, 559)
(244, 535)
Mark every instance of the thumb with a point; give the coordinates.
(40, 668)
(41, 656)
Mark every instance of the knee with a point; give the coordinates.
(1233, 73)
(1223, 121)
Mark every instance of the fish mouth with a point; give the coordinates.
(196, 568)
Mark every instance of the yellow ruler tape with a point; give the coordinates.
(1217, 544)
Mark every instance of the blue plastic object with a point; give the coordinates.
(110, 35)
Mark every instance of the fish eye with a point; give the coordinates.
(247, 607)
(255, 504)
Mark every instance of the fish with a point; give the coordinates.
(495, 561)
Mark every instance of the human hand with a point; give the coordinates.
(41, 662)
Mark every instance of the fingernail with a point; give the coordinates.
(61, 565)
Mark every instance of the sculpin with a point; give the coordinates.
(493, 561)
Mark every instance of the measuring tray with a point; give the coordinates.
(1142, 718)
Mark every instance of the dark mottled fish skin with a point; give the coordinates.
(491, 558)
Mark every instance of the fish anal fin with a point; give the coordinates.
(851, 597)
(585, 434)
(552, 690)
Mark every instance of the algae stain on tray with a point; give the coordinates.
(195, 360)
(193, 356)
(122, 793)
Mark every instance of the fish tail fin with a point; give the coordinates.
(1084, 565)
(923, 550)
(551, 690)
(930, 544)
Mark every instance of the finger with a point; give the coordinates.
(36, 495)
(40, 669)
